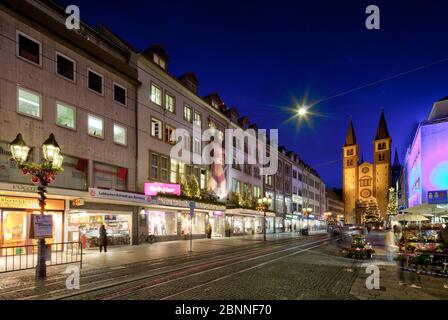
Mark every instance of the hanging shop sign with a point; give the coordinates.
(41, 226)
(30, 203)
(118, 195)
(438, 197)
(153, 188)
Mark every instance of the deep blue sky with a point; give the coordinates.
(259, 55)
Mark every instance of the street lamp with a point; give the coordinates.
(306, 213)
(263, 205)
(41, 174)
(302, 111)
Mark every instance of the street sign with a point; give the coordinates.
(192, 204)
(41, 226)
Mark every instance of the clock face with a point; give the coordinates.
(365, 170)
(366, 193)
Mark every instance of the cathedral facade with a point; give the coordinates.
(365, 182)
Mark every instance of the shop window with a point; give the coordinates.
(162, 223)
(65, 116)
(188, 116)
(120, 134)
(28, 48)
(156, 128)
(156, 94)
(203, 180)
(170, 103)
(95, 81)
(197, 224)
(65, 67)
(95, 126)
(84, 227)
(120, 93)
(29, 103)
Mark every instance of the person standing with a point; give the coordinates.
(103, 238)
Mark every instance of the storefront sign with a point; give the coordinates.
(438, 197)
(42, 226)
(24, 188)
(118, 195)
(153, 188)
(30, 203)
(78, 202)
(185, 204)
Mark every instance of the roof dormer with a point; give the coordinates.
(232, 114)
(244, 122)
(214, 100)
(190, 81)
(158, 55)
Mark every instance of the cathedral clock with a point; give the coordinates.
(366, 193)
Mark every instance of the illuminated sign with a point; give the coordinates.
(438, 197)
(30, 203)
(118, 195)
(153, 188)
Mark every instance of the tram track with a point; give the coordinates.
(155, 267)
(128, 287)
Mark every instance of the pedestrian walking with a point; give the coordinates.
(103, 238)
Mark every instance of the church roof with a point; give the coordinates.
(351, 137)
(382, 131)
(396, 159)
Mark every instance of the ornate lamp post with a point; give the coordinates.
(41, 174)
(263, 205)
(306, 213)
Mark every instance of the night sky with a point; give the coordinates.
(262, 56)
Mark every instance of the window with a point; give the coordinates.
(236, 186)
(257, 172)
(95, 81)
(65, 116)
(187, 142)
(29, 103)
(159, 61)
(197, 119)
(188, 114)
(268, 180)
(28, 48)
(120, 93)
(382, 146)
(381, 157)
(164, 168)
(170, 135)
(156, 94)
(203, 180)
(294, 174)
(95, 126)
(170, 103)
(197, 146)
(156, 128)
(65, 67)
(120, 134)
(350, 152)
(154, 166)
(257, 192)
(174, 173)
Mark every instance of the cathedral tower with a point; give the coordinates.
(350, 175)
(382, 165)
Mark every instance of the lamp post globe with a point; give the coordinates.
(19, 149)
(51, 149)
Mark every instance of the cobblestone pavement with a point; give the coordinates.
(293, 268)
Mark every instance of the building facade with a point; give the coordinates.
(364, 182)
(425, 170)
(78, 86)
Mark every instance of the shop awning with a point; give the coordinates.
(432, 210)
(248, 212)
